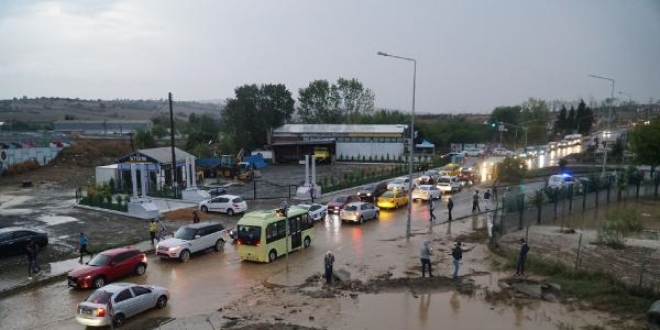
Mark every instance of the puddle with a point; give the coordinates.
(451, 310)
(11, 212)
(52, 220)
(8, 201)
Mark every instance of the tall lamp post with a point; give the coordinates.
(412, 136)
(609, 115)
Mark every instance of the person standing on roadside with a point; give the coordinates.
(31, 250)
(82, 247)
(328, 261)
(475, 201)
(450, 206)
(195, 217)
(522, 258)
(161, 230)
(153, 227)
(431, 208)
(312, 193)
(457, 255)
(425, 258)
(487, 194)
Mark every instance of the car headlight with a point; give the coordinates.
(368, 194)
(174, 248)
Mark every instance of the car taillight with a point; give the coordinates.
(258, 243)
(239, 242)
(100, 312)
(144, 258)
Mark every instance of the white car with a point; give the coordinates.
(126, 299)
(448, 184)
(316, 211)
(560, 180)
(503, 152)
(193, 238)
(230, 204)
(400, 183)
(426, 192)
(474, 152)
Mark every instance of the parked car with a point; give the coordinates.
(127, 300)
(429, 177)
(316, 211)
(560, 180)
(372, 191)
(359, 212)
(426, 192)
(230, 204)
(503, 152)
(474, 152)
(392, 199)
(108, 266)
(13, 240)
(193, 238)
(400, 183)
(448, 184)
(338, 203)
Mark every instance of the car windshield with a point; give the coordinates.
(249, 235)
(423, 188)
(339, 199)
(185, 233)
(388, 194)
(444, 180)
(351, 207)
(100, 260)
(399, 181)
(304, 206)
(369, 187)
(99, 297)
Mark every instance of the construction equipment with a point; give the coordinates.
(234, 167)
(322, 155)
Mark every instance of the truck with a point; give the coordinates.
(234, 167)
(322, 155)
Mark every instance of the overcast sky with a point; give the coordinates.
(472, 55)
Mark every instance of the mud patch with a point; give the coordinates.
(268, 326)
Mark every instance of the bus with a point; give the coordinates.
(261, 235)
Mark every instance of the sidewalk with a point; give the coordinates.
(16, 280)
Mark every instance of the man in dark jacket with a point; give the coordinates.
(450, 206)
(457, 255)
(522, 257)
(31, 250)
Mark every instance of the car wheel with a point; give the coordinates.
(184, 256)
(230, 212)
(140, 269)
(396, 206)
(219, 245)
(99, 282)
(361, 220)
(272, 255)
(161, 302)
(118, 320)
(307, 242)
(205, 209)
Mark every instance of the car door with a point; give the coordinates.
(144, 298)
(120, 266)
(124, 303)
(5, 244)
(221, 204)
(366, 211)
(314, 211)
(197, 242)
(17, 242)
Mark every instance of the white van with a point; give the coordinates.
(560, 180)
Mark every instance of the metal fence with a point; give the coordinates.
(263, 189)
(546, 218)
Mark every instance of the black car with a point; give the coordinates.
(14, 240)
(371, 192)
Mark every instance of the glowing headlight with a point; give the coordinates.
(174, 248)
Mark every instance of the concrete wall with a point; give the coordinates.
(43, 155)
(375, 150)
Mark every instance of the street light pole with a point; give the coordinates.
(412, 137)
(609, 116)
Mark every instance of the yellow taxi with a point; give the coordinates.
(392, 199)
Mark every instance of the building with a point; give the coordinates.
(101, 127)
(292, 142)
(157, 163)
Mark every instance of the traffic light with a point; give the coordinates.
(493, 125)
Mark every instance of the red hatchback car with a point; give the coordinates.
(108, 266)
(338, 203)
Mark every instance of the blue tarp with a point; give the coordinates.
(256, 160)
(208, 162)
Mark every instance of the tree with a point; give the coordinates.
(535, 116)
(249, 118)
(644, 142)
(561, 122)
(344, 102)
(584, 118)
(571, 120)
(511, 170)
(201, 130)
(144, 139)
(508, 115)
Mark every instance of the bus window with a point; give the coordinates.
(275, 231)
(306, 222)
(249, 235)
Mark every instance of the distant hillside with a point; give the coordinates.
(49, 109)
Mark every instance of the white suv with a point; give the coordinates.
(448, 184)
(193, 238)
(230, 204)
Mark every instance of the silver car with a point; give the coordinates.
(119, 301)
(359, 212)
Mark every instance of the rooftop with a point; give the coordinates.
(339, 128)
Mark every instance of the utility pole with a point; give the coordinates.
(174, 182)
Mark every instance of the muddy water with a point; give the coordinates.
(451, 310)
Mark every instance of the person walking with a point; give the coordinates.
(487, 194)
(31, 249)
(425, 258)
(495, 191)
(312, 193)
(160, 233)
(450, 206)
(328, 261)
(522, 258)
(457, 255)
(195, 217)
(153, 227)
(475, 201)
(82, 247)
(431, 208)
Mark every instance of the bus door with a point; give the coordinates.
(296, 232)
